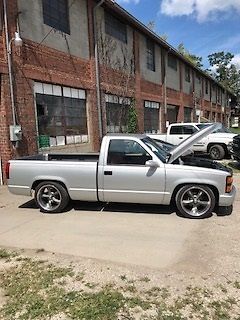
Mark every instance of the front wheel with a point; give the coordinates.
(195, 201)
(51, 197)
(217, 152)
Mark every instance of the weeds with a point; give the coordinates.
(38, 290)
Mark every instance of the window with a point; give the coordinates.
(176, 130)
(182, 130)
(187, 74)
(115, 28)
(61, 114)
(56, 15)
(187, 114)
(172, 61)
(189, 130)
(206, 86)
(151, 117)
(126, 152)
(219, 95)
(198, 77)
(117, 113)
(150, 55)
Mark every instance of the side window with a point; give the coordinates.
(189, 130)
(176, 130)
(126, 152)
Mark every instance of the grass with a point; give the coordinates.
(36, 289)
(235, 130)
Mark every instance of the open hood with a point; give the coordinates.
(184, 146)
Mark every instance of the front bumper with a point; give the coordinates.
(227, 199)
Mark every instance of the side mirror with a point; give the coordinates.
(151, 164)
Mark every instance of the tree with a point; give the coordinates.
(132, 118)
(197, 61)
(152, 26)
(223, 70)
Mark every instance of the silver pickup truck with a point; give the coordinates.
(129, 168)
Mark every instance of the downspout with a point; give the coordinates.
(97, 67)
(9, 63)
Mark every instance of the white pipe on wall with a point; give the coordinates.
(1, 173)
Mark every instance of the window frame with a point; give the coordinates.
(151, 106)
(124, 154)
(187, 74)
(171, 64)
(206, 86)
(56, 14)
(115, 27)
(150, 55)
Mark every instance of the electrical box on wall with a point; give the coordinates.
(15, 133)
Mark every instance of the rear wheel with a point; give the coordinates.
(217, 152)
(51, 197)
(195, 201)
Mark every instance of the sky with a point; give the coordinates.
(203, 26)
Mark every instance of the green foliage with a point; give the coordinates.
(132, 118)
(33, 291)
(197, 61)
(225, 71)
(4, 254)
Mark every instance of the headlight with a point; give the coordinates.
(230, 146)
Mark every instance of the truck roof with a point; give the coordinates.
(127, 135)
(189, 123)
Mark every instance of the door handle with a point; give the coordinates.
(108, 173)
(180, 138)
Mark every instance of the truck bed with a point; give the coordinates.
(88, 157)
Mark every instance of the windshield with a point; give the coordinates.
(203, 125)
(159, 151)
(222, 129)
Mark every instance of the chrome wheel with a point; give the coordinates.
(49, 197)
(195, 201)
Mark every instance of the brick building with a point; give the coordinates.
(65, 99)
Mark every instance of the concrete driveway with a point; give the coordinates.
(149, 236)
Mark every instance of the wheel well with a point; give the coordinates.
(213, 188)
(218, 144)
(37, 182)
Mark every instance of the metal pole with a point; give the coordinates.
(96, 52)
(9, 61)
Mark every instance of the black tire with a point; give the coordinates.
(51, 197)
(195, 201)
(217, 152)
